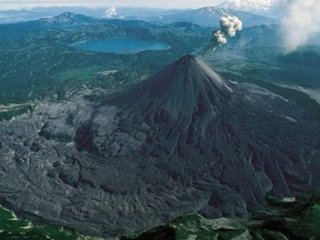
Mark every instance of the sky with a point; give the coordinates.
(173, 4)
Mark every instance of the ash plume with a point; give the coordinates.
(111, 12)
(300, 23)
(229, 26)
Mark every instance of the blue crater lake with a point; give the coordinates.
(121, 46)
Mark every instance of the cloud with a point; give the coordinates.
(301, 22)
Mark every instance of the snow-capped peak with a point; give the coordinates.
(249, 5)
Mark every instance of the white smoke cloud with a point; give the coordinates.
(220, 37)
(111, 12)
(301, 22)
(229, 26)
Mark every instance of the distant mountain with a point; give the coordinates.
(269, 8)
(210, 17)
(64, 20)
(184, 140)
(13, 16)
(68, 19)
(207, 16)
(24, 15)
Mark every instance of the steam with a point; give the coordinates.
(111, 12)
(229, 26)
(300, 23)
(220, 37)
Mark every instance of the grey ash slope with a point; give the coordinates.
(184, 140)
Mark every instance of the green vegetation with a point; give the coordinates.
(13, 228)
(42, 64)
(81, 74)
(7, 112)
(287, 219)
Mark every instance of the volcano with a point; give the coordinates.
(185, 140)
(179, 89)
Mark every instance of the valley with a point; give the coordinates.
(33, 70)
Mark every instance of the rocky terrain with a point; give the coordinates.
(185, 140)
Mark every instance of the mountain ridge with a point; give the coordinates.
(210, 17)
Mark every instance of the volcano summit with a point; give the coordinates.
(185, 140)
